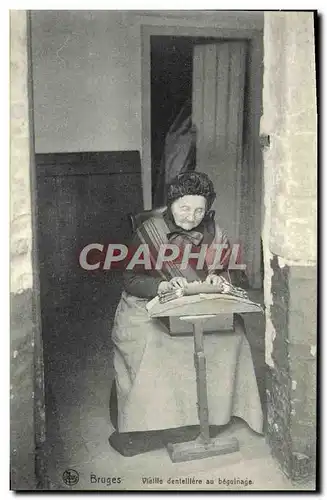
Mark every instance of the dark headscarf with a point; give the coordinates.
(191, 183)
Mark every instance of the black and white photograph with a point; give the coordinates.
(163, 250)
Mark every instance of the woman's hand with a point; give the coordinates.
(223, 285)
(178, 282)
(163, 287)
(213, 279)
(173, 284)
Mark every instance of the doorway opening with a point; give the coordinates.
(171, 92)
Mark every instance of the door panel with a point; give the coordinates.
(218, 105)
(82, 198)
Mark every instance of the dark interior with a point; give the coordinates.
(171, 86)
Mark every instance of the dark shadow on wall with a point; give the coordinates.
(171, 86)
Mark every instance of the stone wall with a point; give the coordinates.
(26, 374)
(291, 388)
(289, 237)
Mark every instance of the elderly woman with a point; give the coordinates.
(154, 372)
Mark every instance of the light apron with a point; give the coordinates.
(155, 374)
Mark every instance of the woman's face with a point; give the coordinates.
(188, 211)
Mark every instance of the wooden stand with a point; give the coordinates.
(202, 446)
(206, 308)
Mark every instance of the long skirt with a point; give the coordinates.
(155, 374)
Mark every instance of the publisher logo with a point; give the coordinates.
(70, 477)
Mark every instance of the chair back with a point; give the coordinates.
(137, 219)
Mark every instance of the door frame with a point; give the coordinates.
(253, 158)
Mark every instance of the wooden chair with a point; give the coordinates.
(137, 219)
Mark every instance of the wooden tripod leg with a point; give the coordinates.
(201, 381)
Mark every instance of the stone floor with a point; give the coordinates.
(79, 375)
